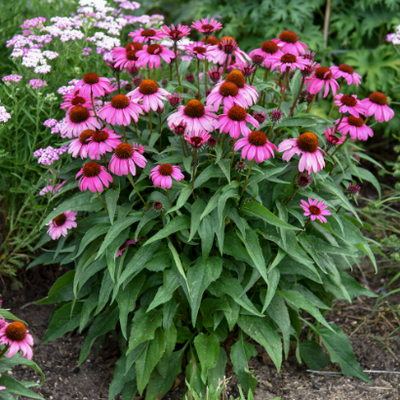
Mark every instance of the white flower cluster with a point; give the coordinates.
(394, 37)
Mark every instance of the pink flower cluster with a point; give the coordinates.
(49, 155)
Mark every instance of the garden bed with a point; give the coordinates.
(64, 380)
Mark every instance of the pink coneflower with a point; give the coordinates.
(59, 225)
(304, 180)
(284, 61)
(175, 99)
(288, 42)
(75, 99)
(256, 146)
(226, 94)
(306, 146)
(309, 67)
(51, 188)
(332, 139)
(101, 142)
(246, 69)
(139, 148)
(356, 128)
(80, 146)
(206, 26)
(162, 175)
(125, 159)
(197, 140)
(151, 95)
(258, 59)
(322, 76)
(77, 120)
(195, 115)
(349, 104)
(268, 50)
(226, 48)
(315, 210)
(215, 73)
(120, 110)
(198, 50)
(247, 91)
(125, 57)
(145, 35)
(177, 33)
(180, 128)
(93, 176)
(376, 105)
(346, 72)
(124, 247)
(93, 83)
(260, 116)
(18, 338)
(151, 55)
(276, 116)
(233, 121)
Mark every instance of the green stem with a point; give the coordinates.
(94, 110)
(254, 74)
(205, 68)
(304, 227)
(123, 131)
(183, 146)
(233, 154)
(311, 104)
(170, 202)
(247, 178)
(102, 202)
(337, 148)
(155, 74)
(176, 64)
(291, 197)
(160, 130)
(119, 83)
(265, 75)
(194, 170)
(198, 78)
(136, 130)
(298, 96)
(150, 122)
(5, 350)
(333, 105)
(141, 198)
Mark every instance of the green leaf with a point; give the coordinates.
(241, 352)
(148, 359)
(177, 260)
(64, 320)
(258, 210)
(197, 209)
(297, 300)
(126, 299)
(166, 291)
(212, 203)
(225, 166)
(8, 363)
(18, 388)
(207, 348)
(116, 229)
(101, 325)
(61, 291)
(312, 354)
(210, 172)
(182, 199)
(273, 280)
(364, 247)
(112, 197)
(206, 233)
(262, 332)
(340, 351)
(199, 277)
(177, 224)
(120, 378)
(254, 249)
(148, 216)
(295, 84)
(143, 327)
(93, 233)
(279, 313)
(106, 288)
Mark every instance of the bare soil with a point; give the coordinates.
(90, 381)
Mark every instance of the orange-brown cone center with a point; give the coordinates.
(348, 100)
(358, 122)
(91, 169)
(91, 78)
(207, 27)
(194, 109)
(100, 136)
(148, 87)
(85, 135)
(257, 138)
(321, 71)
(269, 47)
(16, 331)
(131, 55)
(378, 98)
(77, 100)
(288, 58)
(346, 68)
(288, 37)
(124, 151)
(308, 142)
(120, 101)
(148, 32)
(228, 41)
(154, 49)
(237, 113)
(60, 220)
(133, 46)
(165, 169)
(199, 49)
(211, 40)
(79, 114)
(237, 78)
(314, 210)
(228, 89)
